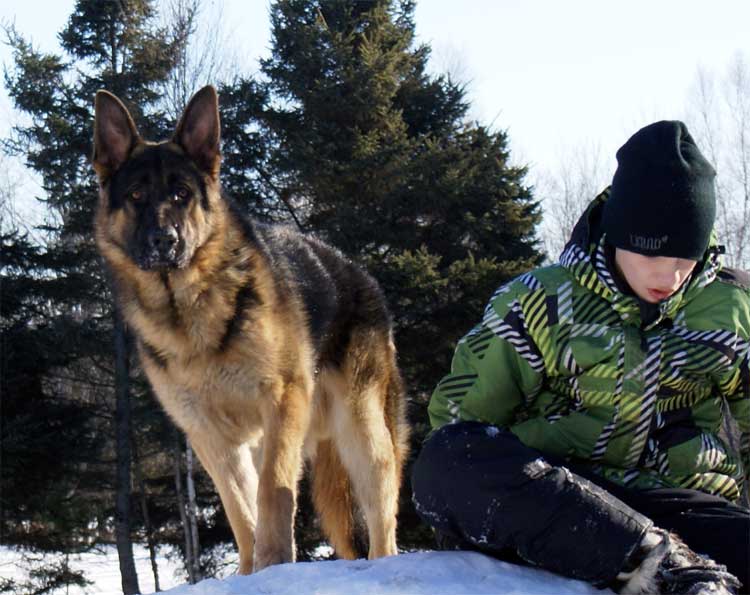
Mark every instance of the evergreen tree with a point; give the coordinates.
(377, 156)
(121, 47)
(47, 438)
(246, 173)
(386, 167)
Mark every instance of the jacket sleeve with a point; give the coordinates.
(496, 367)
(738, 398)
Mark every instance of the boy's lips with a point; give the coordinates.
(659, 294)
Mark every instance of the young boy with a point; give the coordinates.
(578, 429)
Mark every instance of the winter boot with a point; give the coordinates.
(664, 564)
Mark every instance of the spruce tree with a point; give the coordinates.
(47, 439)
(121, 47)
(378, 158)
(385, 166)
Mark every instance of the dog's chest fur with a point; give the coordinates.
(207, 353)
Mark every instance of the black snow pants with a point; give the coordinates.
(480, 487)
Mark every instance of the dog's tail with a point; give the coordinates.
(334, 501)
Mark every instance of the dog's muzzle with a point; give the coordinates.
(161, 249)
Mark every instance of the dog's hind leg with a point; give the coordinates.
(366, 439)
(234, 472)
(365, 447)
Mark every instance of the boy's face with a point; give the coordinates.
(653, 278)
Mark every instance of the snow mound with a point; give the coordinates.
(422, 573)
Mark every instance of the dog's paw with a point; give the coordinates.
(268, 556)
(246, 565)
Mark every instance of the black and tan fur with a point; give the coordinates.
(264, 345)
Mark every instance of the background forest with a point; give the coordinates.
(343, 133)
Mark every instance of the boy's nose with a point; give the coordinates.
(668, 280)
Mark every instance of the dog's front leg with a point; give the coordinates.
(233, 470)
(285, 421)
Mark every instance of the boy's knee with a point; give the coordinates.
(465, 451)
(454, 442)
(426, 471)
(444, 451)
(447, 447)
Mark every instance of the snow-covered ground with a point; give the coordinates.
(102, 568)
(420, 573)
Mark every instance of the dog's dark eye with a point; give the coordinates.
(136, 195)
(182, 194)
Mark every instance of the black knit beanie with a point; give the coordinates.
(662, 200)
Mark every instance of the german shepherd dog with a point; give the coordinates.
(266, 346)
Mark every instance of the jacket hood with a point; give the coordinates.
(585, 257)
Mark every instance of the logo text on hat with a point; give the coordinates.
(645, 243)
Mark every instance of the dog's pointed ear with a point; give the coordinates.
(199, 130)
(115, 134)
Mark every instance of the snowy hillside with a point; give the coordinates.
(423, 573)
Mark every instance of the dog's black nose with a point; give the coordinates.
(163, 240)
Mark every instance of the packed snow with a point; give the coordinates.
(419, 573)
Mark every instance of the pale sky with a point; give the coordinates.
(553, 73)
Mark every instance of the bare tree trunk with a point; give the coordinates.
(146, 518)
(738, 101)
(567, 192)
(182, 507)
(720, 114)
(203, 59)
(193, 512)
(122, 432)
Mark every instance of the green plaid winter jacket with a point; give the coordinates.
(564, 360)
